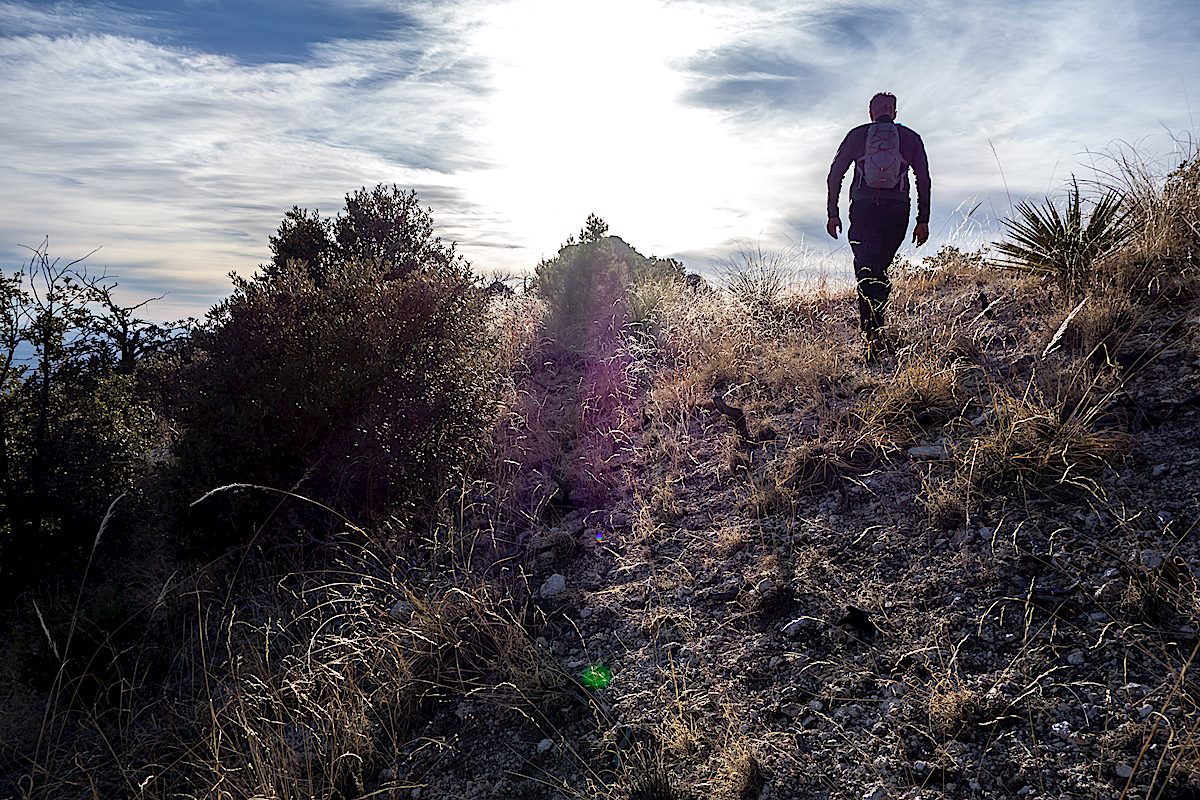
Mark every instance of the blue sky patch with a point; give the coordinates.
(263, 31)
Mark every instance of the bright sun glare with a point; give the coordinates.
(587, 114)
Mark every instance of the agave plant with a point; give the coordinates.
(1057, 244)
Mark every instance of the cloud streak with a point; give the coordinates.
(191, 158)
(153, 131)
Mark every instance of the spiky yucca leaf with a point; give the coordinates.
(1045, 240)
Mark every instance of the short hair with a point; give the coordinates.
(883, 103)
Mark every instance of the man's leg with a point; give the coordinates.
(873, 291)
(870, 271)
(876, 232)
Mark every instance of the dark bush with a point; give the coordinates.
(384, 226)
(366, 385)
(591, 275)
(73, 433)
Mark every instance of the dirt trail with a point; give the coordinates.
(572, 446)
(839, 645)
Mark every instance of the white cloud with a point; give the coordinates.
(182, 163)
(687, 125)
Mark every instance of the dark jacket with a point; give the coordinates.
(854, 148)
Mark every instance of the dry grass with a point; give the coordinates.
(816, 467)
(946, 503)
(739, 775)
(965, 314)
(1030, 447)
(308, 689)
(1155, 593)
(804, 367)
(516, 322)
(709, 341)
(758, 279)
(949, 268)
(922, 392)
(1102, 327)
(1162, 258)
(951, 705)
(648, 296)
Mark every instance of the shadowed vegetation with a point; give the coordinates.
(622, 535)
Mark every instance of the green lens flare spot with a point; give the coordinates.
(596, 676)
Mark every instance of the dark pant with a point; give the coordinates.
(877, 229)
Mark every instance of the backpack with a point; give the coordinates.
(882, 165)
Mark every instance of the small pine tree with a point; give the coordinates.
(594, 229)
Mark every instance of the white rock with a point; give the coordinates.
(793, 628)
(553, 585)
(877, 792)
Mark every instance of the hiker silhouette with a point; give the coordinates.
(882, 152)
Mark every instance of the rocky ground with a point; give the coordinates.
(719, 555)
(848, 603)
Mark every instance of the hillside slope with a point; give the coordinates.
(714, 554)
(967, 571)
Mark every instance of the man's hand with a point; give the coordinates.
(921, 233)
(833, 226)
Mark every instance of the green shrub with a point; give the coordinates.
(366, 385)
(594, 275)
(384, 226)
(1058, 244)
(73, 432)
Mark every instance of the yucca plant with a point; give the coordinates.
(1045, 240)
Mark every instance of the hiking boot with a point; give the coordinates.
(872, 348)
(885, 343)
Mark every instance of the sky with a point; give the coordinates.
(174, 135)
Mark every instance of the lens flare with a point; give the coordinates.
(596, 676)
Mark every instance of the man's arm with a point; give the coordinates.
(837, 171)
(920, 167)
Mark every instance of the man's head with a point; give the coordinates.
(883, 105)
